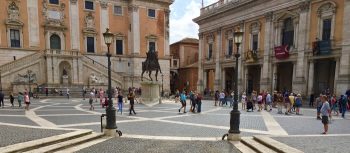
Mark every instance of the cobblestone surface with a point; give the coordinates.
(126, 145)
(17, 120)
(321, 144)
(12, 135)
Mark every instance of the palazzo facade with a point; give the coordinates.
(296, 45)
(59, 43)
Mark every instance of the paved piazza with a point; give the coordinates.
(163, 122)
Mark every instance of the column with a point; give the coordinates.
(265, 81)
(74, 24)
(80, 71)
(310, 82)
(343, 82)
(299, 80)
(217, 61)
(104, 23)
(49, 73)
(205, 79)
(56, 70)
(135, 29)
(200, 87)
(74, 71)
(166, 31)
(33, 22)
(223, 79)
(336, 76)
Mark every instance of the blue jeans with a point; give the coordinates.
(120, 107)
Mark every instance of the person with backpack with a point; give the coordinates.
(183, 101)
(298, 104)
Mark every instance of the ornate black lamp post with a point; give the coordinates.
(110, 110)
(235, 114)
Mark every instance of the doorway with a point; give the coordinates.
(284, 76)
(253, 78)
(324, 72)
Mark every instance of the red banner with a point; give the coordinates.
(281, 52)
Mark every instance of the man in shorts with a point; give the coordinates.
(325, 112)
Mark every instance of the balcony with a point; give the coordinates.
(321, 47)
(218, 4)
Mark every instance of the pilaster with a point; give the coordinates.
(33, 22)
(135, 29)
(200, 68)
(166, 33)
(310, 82)
(265, 81)
(217, 60)
(74, 24)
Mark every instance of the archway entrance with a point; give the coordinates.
(284, 76)
(55, 42)
(324, 75)
(253, 78)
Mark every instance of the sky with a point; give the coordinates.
(181, 15)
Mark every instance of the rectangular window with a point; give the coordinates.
(90, 44)
(119, 47)
(152, 13)
(15, 38)
(89, 5)
(230, 47)
(152, 46)
(255, 43)
(210, 51)
(118, 10)
(54, 2)
(326, 31)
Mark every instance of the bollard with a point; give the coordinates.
(103, 121)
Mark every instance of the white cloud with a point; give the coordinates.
(181, 24)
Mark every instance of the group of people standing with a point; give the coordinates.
(20, 98)
(117, 94)
(195, 101)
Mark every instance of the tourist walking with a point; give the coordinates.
(12, 99)
(259, 99)
(101, 96)
(216, 97)
(20, 99)
(222, 98)
(312, 99)
(279, 102)
(192, 103)
(67, 92)
(131, 98)
(292, 102)
(183, 101)
(318, 105)
(91, 100)
(120, 102)
(26, 100)
(287, 103)
(268, 102)
(254, 99)
(199, 102)
(244, 101)
(2, 99)
(343, 105)
(325, 111)
(334, 104)
(298, 103)
(84, 93)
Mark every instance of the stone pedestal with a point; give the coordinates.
(150, 92)
(65, 80)
(233, 137)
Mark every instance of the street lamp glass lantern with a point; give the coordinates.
(108, 37)
(238, 36)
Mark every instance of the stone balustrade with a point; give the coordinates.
(57, 52)
(20, 62)
(216, 5)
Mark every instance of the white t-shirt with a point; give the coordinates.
(243, 98)
(222, 95)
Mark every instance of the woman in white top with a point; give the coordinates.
(244, 100)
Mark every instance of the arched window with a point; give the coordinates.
(288, 32)
(55, 42)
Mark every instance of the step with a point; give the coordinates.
(275, 145)
(256, 146)
(66, 144)
(78, 147)
(242, 147)
(34, 144)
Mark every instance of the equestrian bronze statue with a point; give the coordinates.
(151, 64)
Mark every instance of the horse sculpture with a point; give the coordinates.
(151, 64)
